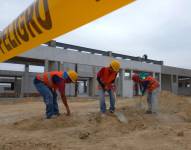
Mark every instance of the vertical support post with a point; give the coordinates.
(53, 66)
(160, 81)
(121, 78)
(24, 82)
(46, 65)
(110, 53)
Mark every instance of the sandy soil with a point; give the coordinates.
(23, 127)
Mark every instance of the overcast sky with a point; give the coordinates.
(159, 28)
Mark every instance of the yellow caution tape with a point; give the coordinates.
(47, 19)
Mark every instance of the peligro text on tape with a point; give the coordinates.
(28, 25)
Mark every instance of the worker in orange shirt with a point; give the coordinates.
(151, 85)
(47, 84)
(106, 78)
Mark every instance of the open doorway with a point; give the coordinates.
(82, 87)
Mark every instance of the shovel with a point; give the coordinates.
(119, 115)
(140, 104)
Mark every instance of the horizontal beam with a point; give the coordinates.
(104, 53)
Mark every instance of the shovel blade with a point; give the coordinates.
(121, 117)
(140, 106)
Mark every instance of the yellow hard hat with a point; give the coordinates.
(115, 65)
(72, 75)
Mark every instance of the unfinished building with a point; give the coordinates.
(87, 62)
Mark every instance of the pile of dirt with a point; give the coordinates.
(38, 123)
(177, 105)
(172, 109)
(87, 129)
(28, 144)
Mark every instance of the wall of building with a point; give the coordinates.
(174, 81)
(1, 89)
(184, 91)
(175, 71)
(127, 88)
(184, 86)
(85, 70)
(166, 82)
(61, 55)
(87, 66)
(85, 63)
(170, 80)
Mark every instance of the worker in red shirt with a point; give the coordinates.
(137, 84)
(47, 84)
(106, 78)
(151, 85)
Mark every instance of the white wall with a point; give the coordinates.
(127, 88)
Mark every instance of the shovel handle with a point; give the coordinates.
(115, 96)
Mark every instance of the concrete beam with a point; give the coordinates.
(5, 73)
(55, 54)
(176, 71)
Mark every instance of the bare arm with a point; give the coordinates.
(64, 100)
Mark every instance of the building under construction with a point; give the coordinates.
(87, 62)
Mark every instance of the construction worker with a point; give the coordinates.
(151, 85)
(47, 84)
(106, 78)
(137, 84)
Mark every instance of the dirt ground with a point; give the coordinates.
(23, 127)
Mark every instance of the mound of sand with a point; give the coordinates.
(87, 129)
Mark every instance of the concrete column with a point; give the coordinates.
(24, 82)
(17, 88)
(121, 83)
(61, 66)
(46, 66)
(171, 81)
(177, 84)
(126, 85)
(131, 73)
(110, 53)
(174, 85)
(154, 75)
(76, 86)
(160, 81)
(92, 83)
(53, 66)
(190, 86)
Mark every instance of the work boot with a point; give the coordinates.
(48, 117)
(148, 112)
(111, 111)
(155, 113)
(57, 114)
(51, 117)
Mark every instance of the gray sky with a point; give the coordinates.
(159, 28)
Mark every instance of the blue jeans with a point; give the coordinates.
(50, 99)
(102, 100)
(152, 101)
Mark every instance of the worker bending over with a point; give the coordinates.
(106, 78)
(137, 86)
(151, 85)
(47, 84)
